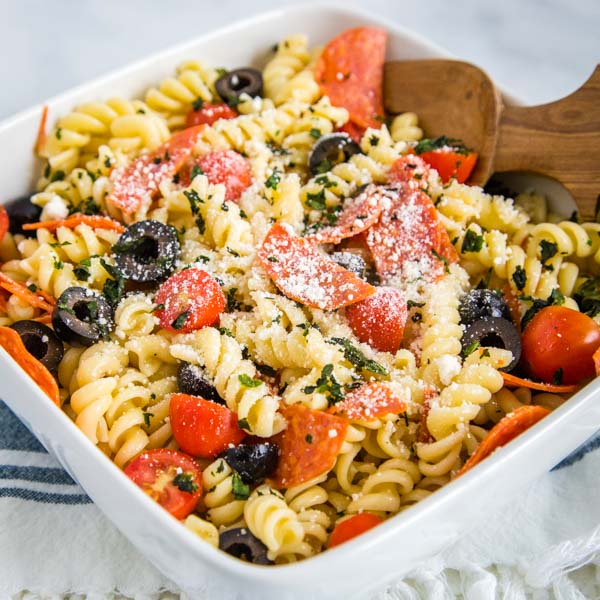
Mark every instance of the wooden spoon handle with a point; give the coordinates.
(560, 139)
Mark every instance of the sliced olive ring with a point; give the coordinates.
(191, 380)
(352, 262)
(41, 342)
(239, 542)
(237, 82)
(21, 211)
(82, 317)
(147, 251)
(494, 332)
(478, 304)
(330, 150)
(253, 462)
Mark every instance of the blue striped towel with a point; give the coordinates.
(53, 540)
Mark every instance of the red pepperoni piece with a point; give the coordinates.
(358, 215)
(423, 434)
(229, 168)
(409, 168)
(209, 113)
(353, 130)
(350, 72)
(305, 274)
(369, 402)
(4, 222)
(308, 446)
(408, 240)
(11, 341)
(379, 320)
(135, 184)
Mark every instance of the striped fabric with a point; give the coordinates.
(27, 471)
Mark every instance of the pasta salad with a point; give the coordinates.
(282, 312)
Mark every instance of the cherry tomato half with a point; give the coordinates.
(171, 478)
(4, 222)
(208, 113)
(352, 527)
(558, 345)
(201, 427)
(189, 300)
(449, 163)
(379, 320)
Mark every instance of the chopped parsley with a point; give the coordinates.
(196, 170)
(232, 252)
(267, 370)
(472, 242)
(272, 259)
(243, 424)
(82, 270)
(248, 381)
(441, 258)
(431, 144)
(324, 166)
(197, 104)
(519, 277)
(273, 180)
(225, 331)
(113, 289)
(355, 356)
(556, 298)
(315, 133)
(547, 251)
(317, 200)
(58, 264)
(59, 244)
(147, 416)
(470, 348)
(587, 296)
(327, 385)
(179, 322)
(185, 482)
(241, 490)
(308, 438)
(232, 303)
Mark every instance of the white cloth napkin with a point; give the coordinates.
(53, 541)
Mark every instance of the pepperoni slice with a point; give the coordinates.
(306, 275)
(350, 72)
(408, 240)
(507, 429)
(229, 168)
(409, 168)
(11, 341)
(308, 446)
(369, 402)
(4, 222)
(209, 113)
(358, 215)
(135, 184)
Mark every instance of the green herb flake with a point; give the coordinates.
(197, 104)
(547, 250)
(324, 166)
(317, 200)
(472, 242)
(355, 356)
(59, 244)
(587, 296)
(248, 381)
(232, 303)
(519, 277)
(308, 438)
(196, 170)
(179, 322)
(429, 145)
(315, 133)
(470, 348)
(185, 482)
(241, 490)
(243, 424)
(147, 416)
(327, 385)
(442, 259)
(273, 180)
(272, 259)
(59, 133)
(556, 298)
(32, 287)
(58, 264)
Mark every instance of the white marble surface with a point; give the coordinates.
(541, 49)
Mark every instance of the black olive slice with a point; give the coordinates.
(237, 82)
(41, 342)
(253, 462)
(147, 251)
(21, 211)
(82, 317)
(191, 380)
(239, 542)
(351, 261)
(478, 304)
(497, 333)
(330, 150)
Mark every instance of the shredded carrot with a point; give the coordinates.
(38, 299)
(11, 341)
(514, 381)
(94, 221)
(41, 136)
(504, 431)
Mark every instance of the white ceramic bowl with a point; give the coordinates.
(353, 569)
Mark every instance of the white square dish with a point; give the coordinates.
(370, 561)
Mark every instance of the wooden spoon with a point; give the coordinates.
(560, 139)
